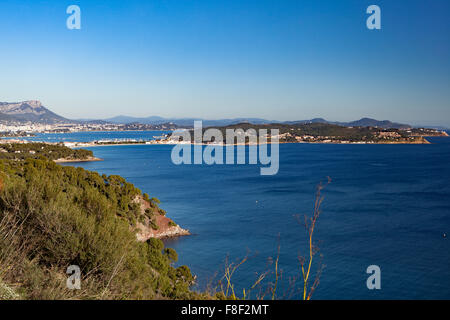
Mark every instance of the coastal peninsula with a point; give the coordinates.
(246, 133)
(152, 222)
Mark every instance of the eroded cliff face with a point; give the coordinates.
(155, 224)
(31, 106)
(28, 111)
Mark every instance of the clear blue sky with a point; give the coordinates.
(275, 59)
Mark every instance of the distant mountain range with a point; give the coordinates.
(364, 122)
(33, 111)
(186, 121)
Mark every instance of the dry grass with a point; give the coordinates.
(225, 289)
(313, 249)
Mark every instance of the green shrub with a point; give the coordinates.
(172, 224)
(171, 254)
(62, 216)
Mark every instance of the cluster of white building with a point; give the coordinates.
(32, 127)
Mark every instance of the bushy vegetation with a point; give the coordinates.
(36, 150)
(52, 217)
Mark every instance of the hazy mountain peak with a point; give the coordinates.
(33, 103)
(28, 111)
(369, 122)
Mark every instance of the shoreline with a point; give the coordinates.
(91, 145)
(415, 139)
(90, 159)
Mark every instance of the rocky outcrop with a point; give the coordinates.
(67, 160)
(146, 232)
(158, 226)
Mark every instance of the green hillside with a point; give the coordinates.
(52, 217)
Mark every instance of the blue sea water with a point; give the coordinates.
(89, 136)
(387, 205)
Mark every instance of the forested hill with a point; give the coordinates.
(330, 133)
(53, 216)
(37, 150)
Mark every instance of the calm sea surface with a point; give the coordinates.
(387, 205)
(91, 136)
